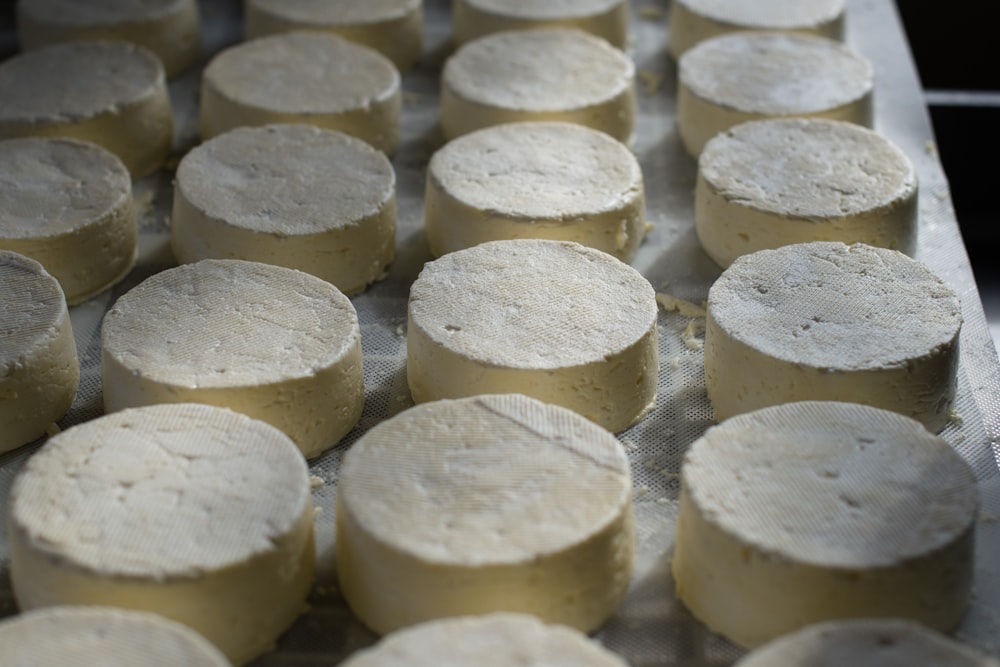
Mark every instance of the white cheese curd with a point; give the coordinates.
(544, 74)
(484, 504)
(193, 512)
(770, 183)
(608, 19)
(753, 75)
(555, 320)
(292, 195)
(306, 77)
(109, 92)
(39, 368)
(828, 321)
(535, 180)
(814, 511)
(273, 343)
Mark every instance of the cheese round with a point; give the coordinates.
(865, 642)
(391, 27)
(106, 636)
(68, 205)
(827, 321)
(491, 640)
(753, 75)
(168, 28)
(813, 511)
(292, 195)
(303, 77)
(472, 19)
(545, 74)
(111, 93)
(484, 504)
(555, 320)
(39, 369)
(273, 343)
(770, 183)
(196, 513)
(535, 180)
(690, 22)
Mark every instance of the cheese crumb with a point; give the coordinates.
(691, 334)
(671, 303)
(651, 81)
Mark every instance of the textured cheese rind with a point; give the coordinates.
(535, 180)
(489, 503)
(189, 511)
(169, 28)
(39, 369)
(491, 640)
(106, 636)
(273, 343)
(292, 195)
(827, 321)
(690, 22)
(391, 27)
(745, 76)
(555, 320)
(865, 642)
(303, 77)
(770, 183)
(472, 19)
(822, 510)
(111, 93)
(545, 74)
(68, 205)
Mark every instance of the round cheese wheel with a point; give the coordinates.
(753, 75)
(39, 369)
(472, 19)
(535, 180)
(865, 642)
(68, 205)
(555, 320)
(303, 77)
(391, 27)
(690, 22)
(276, 344)
(770, 183)
(827, 321)
(196, 513)
(111, 93)
(168, 28)
(57, 636)
(292, 195)
(491, 640)
(813, 511)
(484, 504)
(545, 74)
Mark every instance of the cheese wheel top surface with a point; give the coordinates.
(833, 306)
(832, 484)
(51, 186)
(342, 12)
(775, 73)
(287, 179)
(303, 72)
(76, 80)
(552, 9)
(532, 303)
(229, 323)
(491, 640)
(166, 491)
(767, 13)
(31, 304)
(865, 642)
(549, 69)
(99, 12)
(106, 636)
(538, 170)
(807, 168)
(431, 480)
